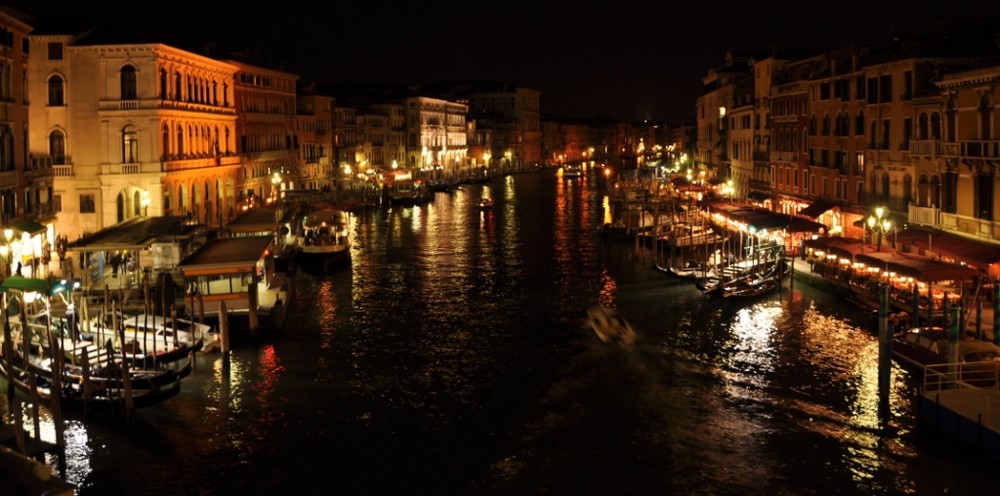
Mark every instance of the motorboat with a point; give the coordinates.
(324, 233)
(610, 326)
(485, 203)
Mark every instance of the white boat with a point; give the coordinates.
(324, 232)
(149, 338)
(486, 203)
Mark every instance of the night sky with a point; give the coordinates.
(621, 59)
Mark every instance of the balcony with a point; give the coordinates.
(980, 148)
(925, 148)
(158, 104)
(195, 163)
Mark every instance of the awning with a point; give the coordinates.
(979, 254)
(29, 284)
(29, 226)
(757, 196)
(919, 268)
(818, 207)
(762, 218)
(837, 245)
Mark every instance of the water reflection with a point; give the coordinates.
(450, 356)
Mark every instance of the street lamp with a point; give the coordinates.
(879, 224)
(275, 180)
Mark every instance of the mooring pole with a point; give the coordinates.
(884, 349)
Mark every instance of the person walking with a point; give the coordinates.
(116, 261)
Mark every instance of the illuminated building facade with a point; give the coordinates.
(436, 136)
(314, 122)
(266, 139)
(132, 130)
(26, 194)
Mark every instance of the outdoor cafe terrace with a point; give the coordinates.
(913, 280)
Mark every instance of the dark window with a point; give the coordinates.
(57, 147)
(128, 83)
(55, 50)
(87, 204)
(56, 91)
(885, 89)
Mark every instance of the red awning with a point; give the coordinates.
(920, 268)
(818, 207)
(838, 245)
(980, 254)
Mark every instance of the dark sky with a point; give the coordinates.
(621, 59)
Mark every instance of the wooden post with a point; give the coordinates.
(223, 328)
(8, 354)
(979, 320)
(252, 298)
(996, 313)
(884, 349)
(126, 371)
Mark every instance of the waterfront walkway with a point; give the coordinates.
(804, 273)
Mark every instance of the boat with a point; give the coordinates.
(485, 204)
(930, 345)
(324, 233)
(84, 374)
(572, 170)
(609, 325)
(152, 339)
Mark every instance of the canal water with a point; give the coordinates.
(450, 357)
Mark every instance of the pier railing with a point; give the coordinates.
(979, 383)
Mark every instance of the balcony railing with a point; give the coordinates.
(925, 148)
(62, 170)
(981, 148)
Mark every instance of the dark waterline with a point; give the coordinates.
(450, 358)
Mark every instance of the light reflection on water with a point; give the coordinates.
(450, 355)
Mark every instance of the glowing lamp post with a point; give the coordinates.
(275, 181)
(879, 225)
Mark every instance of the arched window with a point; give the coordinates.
(165, 143)
(985, 118)
(859, 123)
(56, 91)
(180, 141)
(907, 188)
(130, 145)
(136, 204)
(120, 207)
(885, 184)
(163, 84)
(936, 126)
(177, 86)
(922, 127)
(6, 148)
(128, 85)
(57, 147)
